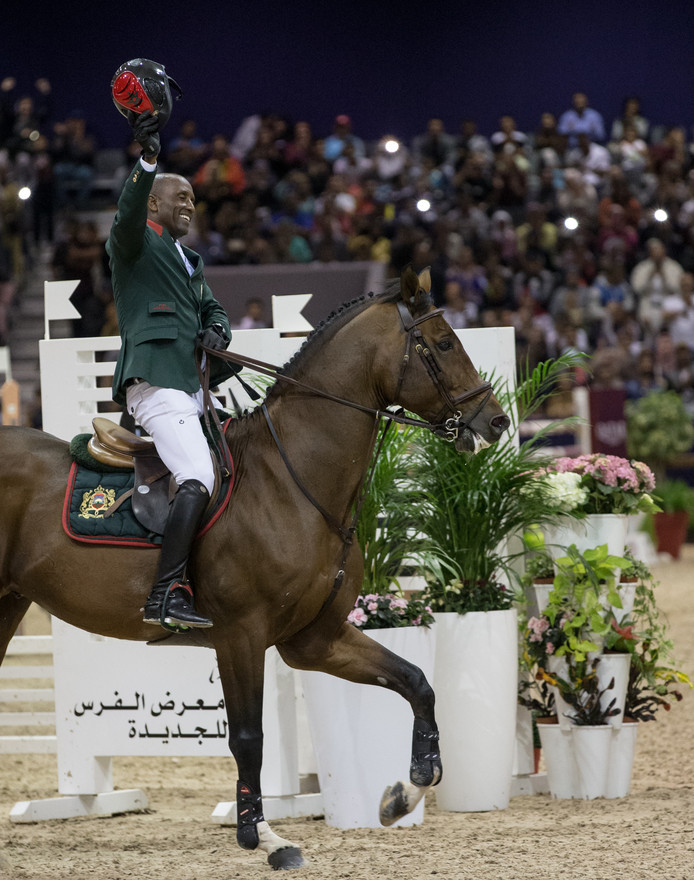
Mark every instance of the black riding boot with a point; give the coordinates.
(170, 602)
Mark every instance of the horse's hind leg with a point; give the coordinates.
(241, 670)
(13, 607)
(355, 657)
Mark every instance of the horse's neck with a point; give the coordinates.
(328, 443)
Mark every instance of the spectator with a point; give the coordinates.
(533, 284)
(300, 149)
(631, 115)
(220, 178)
(578, 198)
(459, 311)
(631, 153)
(592, 159)
(681, 377)
(470, 140)
(73, 150)
(581, 119)
(82, 256)
(502, 236)
(334, 144)
(645, 379)
(253, 317)
(538, 233)
(391, 158)
(653, 279)
(618, 192)
(548, 143)
(435, 148)
(678, 312)
(206, 241)
(186, 151)
(24, 118)
(508, 138)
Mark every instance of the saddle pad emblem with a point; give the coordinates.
(96, 501)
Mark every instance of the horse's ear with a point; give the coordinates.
(416, 290)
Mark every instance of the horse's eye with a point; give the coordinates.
(444, 345)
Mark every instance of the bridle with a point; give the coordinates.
(449, 428)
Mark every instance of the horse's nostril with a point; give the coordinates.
(500, 424)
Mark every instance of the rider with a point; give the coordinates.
(164, 308)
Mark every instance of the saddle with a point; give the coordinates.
(154, 485)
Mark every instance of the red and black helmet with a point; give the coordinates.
(140, 85)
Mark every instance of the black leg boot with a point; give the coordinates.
(170, 602)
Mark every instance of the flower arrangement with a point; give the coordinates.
(598, 483)
(579, 622)
(374, 611)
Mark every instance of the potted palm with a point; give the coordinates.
(471, 510)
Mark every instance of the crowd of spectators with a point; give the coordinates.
(579, 233)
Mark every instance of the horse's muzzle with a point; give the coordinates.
(499, 424)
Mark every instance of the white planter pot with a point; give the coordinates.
(557, 751)
(347, 721)
(593, 531)
(476, 680)
(621, 759)
(591, 748)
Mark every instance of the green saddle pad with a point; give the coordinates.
(89, 494)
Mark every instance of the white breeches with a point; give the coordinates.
(172, 420)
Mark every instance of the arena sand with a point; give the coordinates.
(648, 834)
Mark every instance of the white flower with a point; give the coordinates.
(563, 491)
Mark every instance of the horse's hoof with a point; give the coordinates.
(285, 858)
(426, 773)
(394, 804)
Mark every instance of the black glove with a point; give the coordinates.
(214, 337)
(146, 132)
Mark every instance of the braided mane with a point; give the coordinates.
(329, 326)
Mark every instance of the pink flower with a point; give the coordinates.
(549, 647)
(398, 602)
(538, 625)
(357, 616)
(372, 606)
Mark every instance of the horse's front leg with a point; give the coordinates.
(241, 669)
(352, 655)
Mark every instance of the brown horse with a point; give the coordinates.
(278, 567)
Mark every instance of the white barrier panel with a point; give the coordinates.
(131, 705)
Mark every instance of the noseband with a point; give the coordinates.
(449, 428)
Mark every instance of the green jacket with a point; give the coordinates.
(160, 307)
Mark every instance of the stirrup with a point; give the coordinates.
(182, 619)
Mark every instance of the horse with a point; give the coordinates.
(279, 566)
